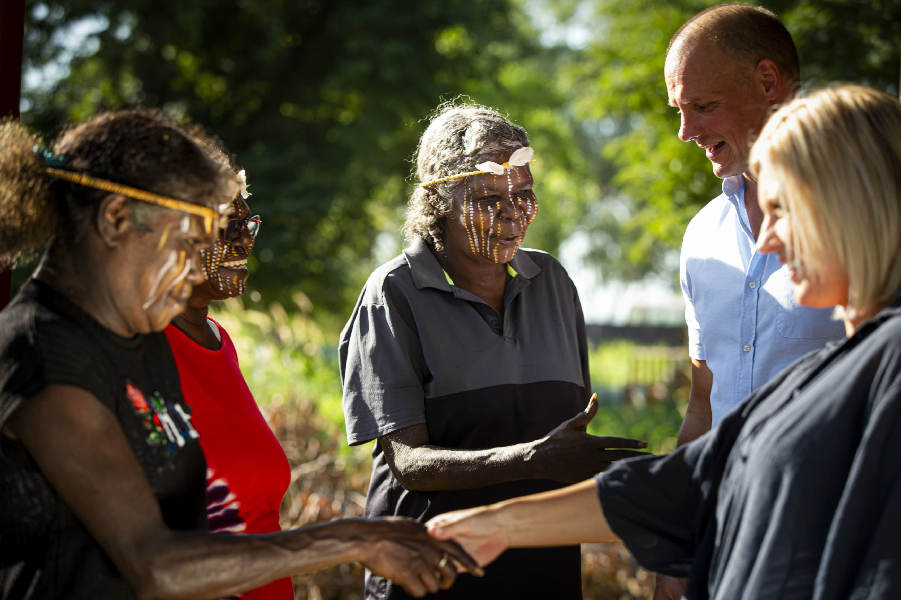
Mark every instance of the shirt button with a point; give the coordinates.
(752, 285)
(746, 348)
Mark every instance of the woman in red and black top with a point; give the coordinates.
(247, 470)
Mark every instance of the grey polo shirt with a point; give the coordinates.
(417, 349)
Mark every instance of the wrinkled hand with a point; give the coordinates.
(669, 588)
(401, 549)
(569, 454)
(477, 530)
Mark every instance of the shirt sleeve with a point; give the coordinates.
(35, 356)
(21, 375)
(663, 507)
(382, 369)
(649, 503)
(695, 346)
(583, 339)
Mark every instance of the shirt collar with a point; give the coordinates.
(734, 186)
(734, 190)
(427, 272)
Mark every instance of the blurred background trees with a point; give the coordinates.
(322, 102)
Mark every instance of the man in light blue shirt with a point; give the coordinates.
(744, 324)
(726, 69)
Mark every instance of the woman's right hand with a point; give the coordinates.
(569, 454)
(400, 549)
(478, 530)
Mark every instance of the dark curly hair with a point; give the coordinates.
(139, 148)
(458, 137)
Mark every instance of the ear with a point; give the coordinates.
(114, 219)
(771, 80)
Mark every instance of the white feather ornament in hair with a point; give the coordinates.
(520, 157)
(242, 179)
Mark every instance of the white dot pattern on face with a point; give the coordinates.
(468, 204)
(483, 247)
(211, 261)
(497, 232)
(478, 235)
(211, 258)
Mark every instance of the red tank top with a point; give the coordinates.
(247, 470)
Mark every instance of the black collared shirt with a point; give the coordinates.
(797, 494)
(418, 349)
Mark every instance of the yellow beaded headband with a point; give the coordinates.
(211, 218)
(520, 157)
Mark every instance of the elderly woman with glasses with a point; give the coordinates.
(102, 478)
(797, 494)
(466, 356)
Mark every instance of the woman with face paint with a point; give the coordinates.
(102, 478)
(466, 356)
(247, 470)
(797, 494)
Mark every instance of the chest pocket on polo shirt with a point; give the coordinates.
(794, 321)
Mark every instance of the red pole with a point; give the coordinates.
(12, 29)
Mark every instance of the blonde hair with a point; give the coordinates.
(834, 158)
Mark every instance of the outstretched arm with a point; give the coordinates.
(82, 451)
(567, 453)
(567, 516)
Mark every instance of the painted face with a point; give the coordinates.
(225, 262)
(158, 271)
(491, 214)
(818, 284)
(720, 107)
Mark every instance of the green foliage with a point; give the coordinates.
(323, 102)
(642, 392)
(319, 100)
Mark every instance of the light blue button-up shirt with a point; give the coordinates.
(740, 307)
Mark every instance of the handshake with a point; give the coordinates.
(463, 541)
(428, 559)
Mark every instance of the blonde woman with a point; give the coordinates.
(798, 493)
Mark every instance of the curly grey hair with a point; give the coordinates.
(458, 137)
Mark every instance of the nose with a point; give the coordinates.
(510, 208)
(688, 129)
(195, 272)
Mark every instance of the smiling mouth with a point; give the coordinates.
(710, 151)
